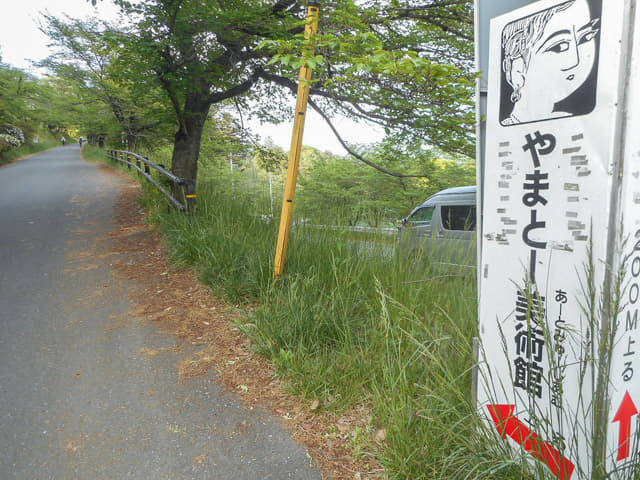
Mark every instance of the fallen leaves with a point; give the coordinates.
(178, 304)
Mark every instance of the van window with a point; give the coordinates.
(422, 216)
(458, 217)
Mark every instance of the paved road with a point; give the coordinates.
(78, 400)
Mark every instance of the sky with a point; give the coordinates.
(22, 41)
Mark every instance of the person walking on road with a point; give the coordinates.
(64, 140)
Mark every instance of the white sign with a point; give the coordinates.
(554, 216)
(623, 433)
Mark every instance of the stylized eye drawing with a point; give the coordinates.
(588, 36)
(558, 47)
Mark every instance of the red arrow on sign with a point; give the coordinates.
(508, 424)
(627, 410)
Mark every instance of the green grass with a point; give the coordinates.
(93, 154)
(27, 149)
(351, 327)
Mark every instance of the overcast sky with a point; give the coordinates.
(22, 41)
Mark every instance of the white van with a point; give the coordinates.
(444, 226)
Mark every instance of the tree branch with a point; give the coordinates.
(356, 109)
(173, 96)
(236, 90)
(352, 152)
(282, 6)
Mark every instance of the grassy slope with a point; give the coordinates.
(27, 149)
(348, 328)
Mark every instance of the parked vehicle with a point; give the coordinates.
(444, 227)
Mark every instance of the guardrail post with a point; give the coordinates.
(168, 180)
(190, 194)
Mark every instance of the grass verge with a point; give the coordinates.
(351, 327)
(26, 149)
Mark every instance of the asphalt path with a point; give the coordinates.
(78, 399)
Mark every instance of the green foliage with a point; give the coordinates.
(28, 148)
(270, 158)
(341, 191)
(93, 154)
(352, 327)
(223, 141)
(32, 112)
(23, 101)
(110, 95)
(402, 64)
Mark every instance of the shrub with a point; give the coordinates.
(10, 137)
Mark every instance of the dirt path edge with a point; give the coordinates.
(175, 301)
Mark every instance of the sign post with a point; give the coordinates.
(560, 260)
(296, 144)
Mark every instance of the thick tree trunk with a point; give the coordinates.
(186, 147)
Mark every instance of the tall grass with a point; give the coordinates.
(357, 323)
(351, 324)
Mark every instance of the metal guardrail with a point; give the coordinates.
(189, 186)
(378, 230)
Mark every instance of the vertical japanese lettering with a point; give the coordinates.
(530, 342)
(537, 144)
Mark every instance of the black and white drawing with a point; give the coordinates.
(550, 63)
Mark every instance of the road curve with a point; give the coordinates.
(78, 399)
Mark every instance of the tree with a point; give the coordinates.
(401, 63)
(270, 157)
(28, 104)
(340, 190)
(12, 83)
(224, 140)
(91, 59)
(23, 100)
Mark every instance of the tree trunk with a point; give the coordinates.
(131, 142)
(186, 147)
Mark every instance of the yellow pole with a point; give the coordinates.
(296, 143)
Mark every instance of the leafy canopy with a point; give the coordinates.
(403, 64)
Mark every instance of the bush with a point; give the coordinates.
(10, 137)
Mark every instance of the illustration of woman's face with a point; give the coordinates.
(563, 57)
